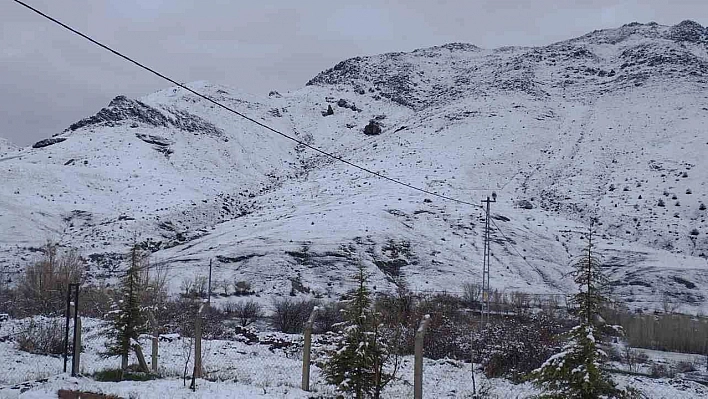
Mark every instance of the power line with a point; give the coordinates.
(263, 125)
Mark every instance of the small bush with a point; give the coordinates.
(245, 312)
(685, 367)
(66, 394)
(42, 337)
(662, 371)
(471, 294)
(290, 315)
(328, 316)
(242, 288)
(114, 375)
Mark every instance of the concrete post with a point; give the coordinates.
(76, 360)
(418, 367)
(155, 342)
(198, 343)
(306, 350)
(141, 358)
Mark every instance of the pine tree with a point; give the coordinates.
(128, 321)
(357, 365)
(576, 372)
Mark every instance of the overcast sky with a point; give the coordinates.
(50, 78)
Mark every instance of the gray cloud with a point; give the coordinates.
(49, 78)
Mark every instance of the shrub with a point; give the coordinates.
(243, 288)
(245, 312)
(328, 316)
(290, 315)
(42, 288)
(178, 316)
(685, 367)
(114, 375)
(42, 337)
(194, 288)
(659, 370)
(96, 301)
(513, 346)
(471, 294)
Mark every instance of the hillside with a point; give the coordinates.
(602, 126)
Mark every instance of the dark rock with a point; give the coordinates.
(329, 111)
(524, 204)
(342, 103)
(154, 139)
(372, 129)
(687, 31)
(684, 282)
(500, 218)
(48, 142)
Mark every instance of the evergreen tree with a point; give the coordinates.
(576, 372)
(357, 364)
(128, 321)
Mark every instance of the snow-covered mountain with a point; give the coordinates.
(608, 125)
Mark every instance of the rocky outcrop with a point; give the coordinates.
(688, 31)
(48, 142)
(122, 109)
(373, 128)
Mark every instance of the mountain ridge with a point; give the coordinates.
(591, 127)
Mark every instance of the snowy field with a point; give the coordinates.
(237, 369)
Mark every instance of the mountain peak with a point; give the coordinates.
(689, 31)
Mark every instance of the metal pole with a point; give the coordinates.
(418, 366)
(66, 329)
(306, 351)
(77, 327)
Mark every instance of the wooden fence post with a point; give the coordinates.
(306, 350)
(418, 367)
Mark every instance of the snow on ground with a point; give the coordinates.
(235, 369)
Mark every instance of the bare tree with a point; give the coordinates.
(42, 288)
(247, 312)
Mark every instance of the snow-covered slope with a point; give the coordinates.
(608, 125)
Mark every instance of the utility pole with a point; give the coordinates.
(486, 291)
